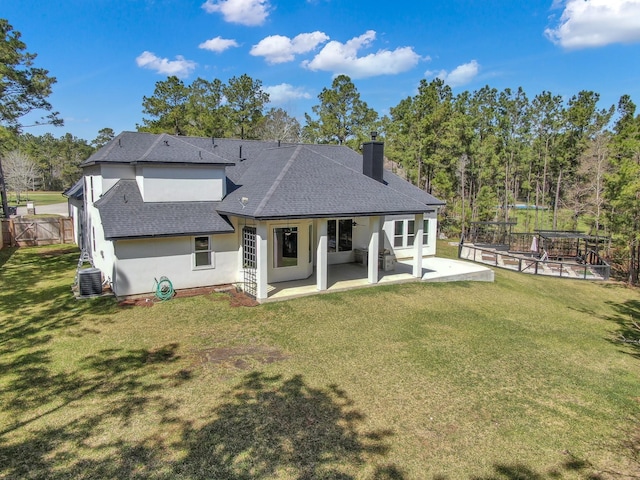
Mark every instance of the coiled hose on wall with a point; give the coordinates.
(164, 288)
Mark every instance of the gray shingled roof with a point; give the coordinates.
(298, 181)
(352, 159)
(136, 147)
(76, 191)
(125, 215)
(265, 180)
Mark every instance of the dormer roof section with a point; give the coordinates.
(133, 148)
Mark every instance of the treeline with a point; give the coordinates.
(486, 150)
(206, 108)
(46, 162)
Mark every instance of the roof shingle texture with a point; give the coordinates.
(125, 215)
(265, 180)
(297, 181)
(136, 147)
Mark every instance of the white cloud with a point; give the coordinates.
(218, 44)
(281, 94)
(461, 75)
(280, 49)
(595, 23)
(244, 12)
(180, 67)
(342, 58)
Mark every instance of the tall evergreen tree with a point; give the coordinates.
(24, 89)
(623, 185)
(341, 117)
(167, 108)
(245, 103)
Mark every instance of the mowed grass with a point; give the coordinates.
(38, 197)
(525, 378)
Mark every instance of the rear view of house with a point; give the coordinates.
(205, 212)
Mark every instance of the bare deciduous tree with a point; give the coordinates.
(20, 171)
(279, 125)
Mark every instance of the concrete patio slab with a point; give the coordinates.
(350, 275)
(448, 270)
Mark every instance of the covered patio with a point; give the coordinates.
(348, 276)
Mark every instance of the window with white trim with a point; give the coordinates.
(404, 233)
(203, 255)
(398, 233)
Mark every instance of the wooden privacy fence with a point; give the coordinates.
(24, 232)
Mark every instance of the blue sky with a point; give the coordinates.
(108, 54)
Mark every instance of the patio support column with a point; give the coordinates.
(262, 260)
(417, 245)
(374, 247)
(321, 255)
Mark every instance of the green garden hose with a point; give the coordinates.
(164, 288)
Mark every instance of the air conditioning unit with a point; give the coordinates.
(90, 282)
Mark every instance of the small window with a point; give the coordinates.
(202, 253)
(425, 232)
(398, 233)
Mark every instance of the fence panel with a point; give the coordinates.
(23, 232)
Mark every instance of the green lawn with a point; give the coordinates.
(39, 198)
(524, 378)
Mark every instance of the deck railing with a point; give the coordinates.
(593, 268)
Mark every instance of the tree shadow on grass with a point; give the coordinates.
(269, 425)
(627, 318)
(264, 427)
(518, 471)
(36, 305)
(49, 440)
(5, 255)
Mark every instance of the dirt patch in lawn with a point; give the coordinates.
(243, 357)
(236, 298)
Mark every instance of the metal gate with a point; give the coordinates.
(249, 260)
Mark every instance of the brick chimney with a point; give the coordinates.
(373, 158)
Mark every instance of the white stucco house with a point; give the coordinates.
(206, 212)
